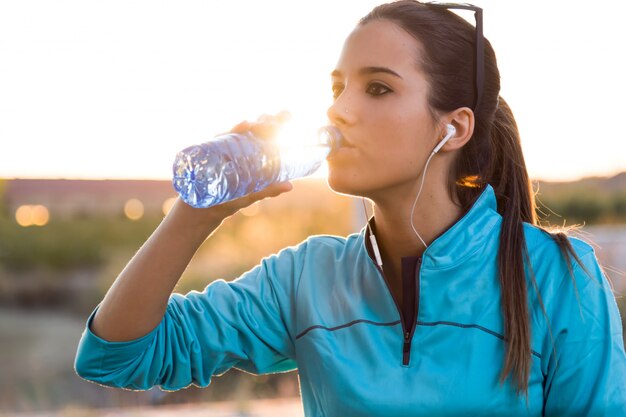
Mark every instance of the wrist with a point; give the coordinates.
(201, 220)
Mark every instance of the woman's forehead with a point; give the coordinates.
(379, 43)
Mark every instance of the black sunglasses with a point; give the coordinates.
(479, 64)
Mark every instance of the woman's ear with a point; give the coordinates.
(463, 121)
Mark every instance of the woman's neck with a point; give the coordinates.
(434, 213)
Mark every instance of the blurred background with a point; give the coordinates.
(97, 97)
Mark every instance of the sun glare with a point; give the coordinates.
(302, 133)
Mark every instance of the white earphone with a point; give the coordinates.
(450, 131)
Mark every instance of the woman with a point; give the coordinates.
(451, 301)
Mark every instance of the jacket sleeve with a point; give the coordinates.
(246, 323)
(587, 377)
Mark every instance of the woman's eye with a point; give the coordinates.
(337, 89)
(376, 89)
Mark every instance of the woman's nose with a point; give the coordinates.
(339, 112)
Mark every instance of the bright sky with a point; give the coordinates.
(113, 89)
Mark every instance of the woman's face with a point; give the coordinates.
(380, 107)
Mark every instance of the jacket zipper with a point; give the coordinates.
(407, 335)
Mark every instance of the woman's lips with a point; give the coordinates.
(345, 146)
(345, 142)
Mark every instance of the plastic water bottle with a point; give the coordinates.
(233, 165)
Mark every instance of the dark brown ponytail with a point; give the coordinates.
(492, 156)
(516, 204)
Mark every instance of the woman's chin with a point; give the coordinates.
(343, 185)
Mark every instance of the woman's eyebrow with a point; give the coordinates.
(369, 71)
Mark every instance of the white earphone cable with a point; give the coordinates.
(418, 196)
(379, 259)
(366, 216)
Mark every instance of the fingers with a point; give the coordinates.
(266, 126)
(273, 190)
(241, 127)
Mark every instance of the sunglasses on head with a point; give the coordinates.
(479, 60)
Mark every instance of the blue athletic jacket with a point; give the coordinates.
(324, 308)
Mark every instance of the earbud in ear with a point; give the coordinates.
(450, 131)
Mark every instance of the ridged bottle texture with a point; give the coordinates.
(236, 164)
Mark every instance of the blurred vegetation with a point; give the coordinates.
(590, 201)
(3, 186)
(68, 243)
(58, 265)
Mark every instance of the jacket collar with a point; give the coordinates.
(464, 239)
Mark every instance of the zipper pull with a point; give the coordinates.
(406, 349)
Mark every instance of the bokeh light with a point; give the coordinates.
(32, 215)
(22, 216)
(168, 204)
(133, 209)
(40, 215)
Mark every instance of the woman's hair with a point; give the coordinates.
(492, 156)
